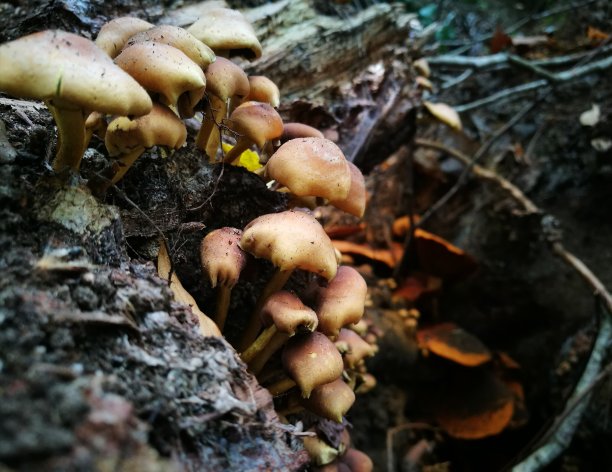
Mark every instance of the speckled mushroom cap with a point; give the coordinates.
(167, 71)
(221, 257)
(263, 90)
(257, 121)
(311, 166)
(291, 240)
(287, 312)
(224, 29)
(226, 79)
(161, 127)
(331, 400)
(311, 360)
(354, 348)
(114, 34)
(179, 38)
(342, 301)
(355, 202)
(69, 70)
(293, 130)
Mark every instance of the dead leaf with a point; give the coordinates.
(454, 343)
(421, 66)
(590, 117)
(596, 36)
(499, 41)
(415, 286)
(444, 113)
(438, 257)
(389, 257)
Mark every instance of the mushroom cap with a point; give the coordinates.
(263, 90)
(311, 166)
(331, 400)
(161, 127)
(354, 348)
(357, 461)
(291, 240)
(114, 34)
(221, 257)
(293, 130)
(165, 70)
(224, 29)
(179, 38)
(311, 360)
(355, 202)
(257, 121)
(226, 79)
(287, 312)
(342, 302)
(71, 71)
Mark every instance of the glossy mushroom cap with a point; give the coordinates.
(311, 166)
(257, 121)
(178, 38)
(114, 34)
(167, 71)
(227, 31)
(354, 348)
(221, 257)
(161, 127)
(291, 240)
(226, 80)
(355, 202)
(263, 90)
(287, 312)
(69, 71)
(293, 130)
(331, 401)
(342, 302)
(312, 360)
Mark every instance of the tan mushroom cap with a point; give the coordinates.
(257, 121)
(332, 400)
(179, 38)
(357, 461)
(312, 360)
(293, 130)
(311, 166)
(355, 202)
(287, 312)
(264, 90)
(342, 302)
(161, 127)
(165, 70)
(221, 257)
(70, 71)
(114, 34)
(224, 29)
(226, 79)
(354, 348)
(291, 240)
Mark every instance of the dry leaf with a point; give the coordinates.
(444, 113)
(389, 257)
(596, 35)
(438, 257)
(454, 343)
(422, 67)
(590, 117)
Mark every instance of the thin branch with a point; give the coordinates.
(502, 95)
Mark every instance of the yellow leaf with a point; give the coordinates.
(248, 159)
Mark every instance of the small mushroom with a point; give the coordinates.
(114, 34)
(263, 90)
(331, 400)
(354, 348)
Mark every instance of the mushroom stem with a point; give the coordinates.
(277, 282)
(71, 137)
(233, 155)
(274, 344)
(281, 386)
(262, 340)
(223, 300)
(124, 162)
(209, 136)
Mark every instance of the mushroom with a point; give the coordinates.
(355, 201)
(256, 123)
(357, 461)
(331, 400)
(354, 348)
(342, 302)
(222, 260)
(290, 240)
(311, 166)
(167, 71)
(293, 130)
(128, 139)
(225, 80)
(114, 34)
(319, 451)
(74, 77)
(263, 90)
(227, 32)
(283, 314)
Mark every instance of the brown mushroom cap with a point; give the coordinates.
(179, 38)
(293, 130)
(161, 127)
(224, 29)
(357, 461)
(69, 71)
(311, 166)
(114, 34)
(353, 347)
(291, 240)
(257, 121)
(221, 257)
(263, 90)
(226, 79)
(355, 202)
(287, 312)
(312, 360)
(342, 301)
(331, 400)
(165, 70)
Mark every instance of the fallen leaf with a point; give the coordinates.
(590, 117)
(454, 343)
(415, 286)
(389, 257)
(499, 41)
(596, 35)
(438, 257)
(421, 66)
(444, 113)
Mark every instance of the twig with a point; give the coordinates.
(502, 95)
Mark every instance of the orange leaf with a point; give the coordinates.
(596, 35)
(499, 41)
(454, 343)
(386, 256)
(416, 285)
(438, 257)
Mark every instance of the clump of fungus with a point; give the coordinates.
(114, 34)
